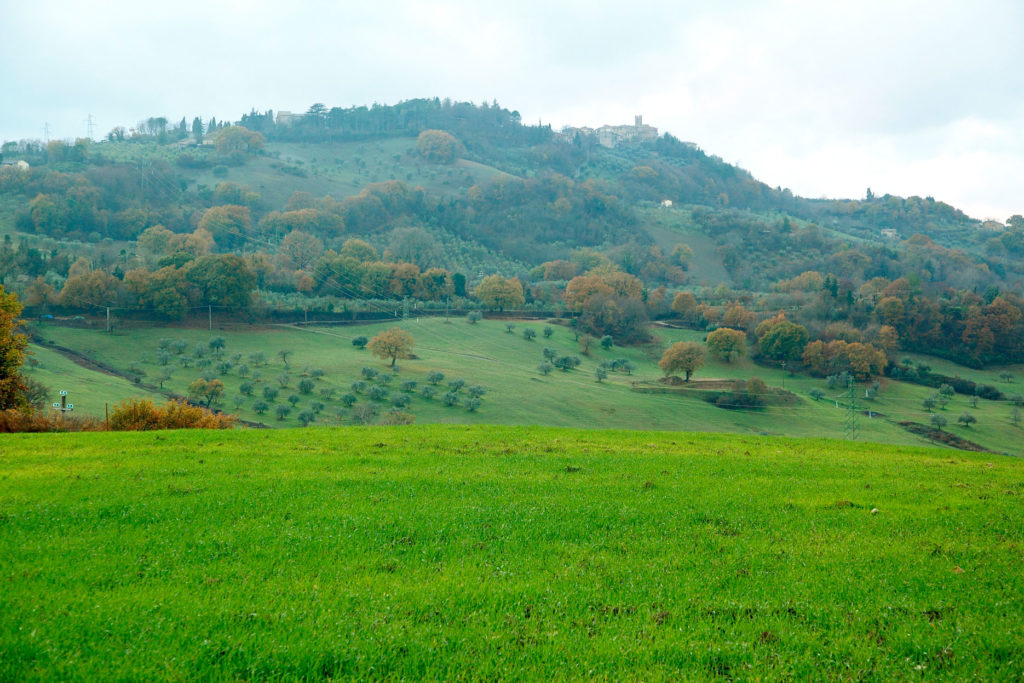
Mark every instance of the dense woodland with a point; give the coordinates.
(159, 221)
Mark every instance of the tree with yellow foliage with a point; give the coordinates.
(685, 356)
(394, 343)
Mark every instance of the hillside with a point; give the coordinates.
(342, 381)
(422, 208)
(482, 552)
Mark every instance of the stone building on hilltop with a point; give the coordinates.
(610, 136)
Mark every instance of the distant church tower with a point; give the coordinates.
(638, 120)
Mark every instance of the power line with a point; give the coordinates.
(850, 430)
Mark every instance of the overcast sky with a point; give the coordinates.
(826, 98)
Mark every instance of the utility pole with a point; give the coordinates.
(46, 131)
(108, 319)
(851, 431)
(447, 302)
(209, 309)
(64, 406)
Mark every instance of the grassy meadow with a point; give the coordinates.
(484, 552)
(505, 365)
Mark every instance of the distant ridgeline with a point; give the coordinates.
(484, 124)
(614, 223)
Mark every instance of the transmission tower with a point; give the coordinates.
(851, 431)
(90, 124)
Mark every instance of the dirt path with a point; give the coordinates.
(79, 358)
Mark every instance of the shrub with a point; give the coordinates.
(364, 412)
(428, 392)
(306, 416)
(369, 373)
(600, 374)
(260, 407)
(473, 403)
(607, 342)
(455, 385)
(360, 342)
(377, 393)
(400, 400)
(435, 377)
(12, 421)
(306, 386)
(529, 333)
(451, 399)
(270, 392)
(143, 415)
(567, 363)
(966, 419)
(545, 368)
(398, 418)
(744, 395)
(473, 317)
(547, 331)
(294, 399)
(408, 386)
(281, 410)
(349, 399)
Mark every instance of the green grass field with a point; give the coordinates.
(503, 552)
(506, 366)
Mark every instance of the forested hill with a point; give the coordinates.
(333, 207)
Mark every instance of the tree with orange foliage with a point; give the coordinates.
(394, 343)
(583, 287)
(685, 305)
(12, 353)
(685, 356)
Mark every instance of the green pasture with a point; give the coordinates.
(88, 390)
(505, 364)
(447, 552)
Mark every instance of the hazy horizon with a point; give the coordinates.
(920, 99)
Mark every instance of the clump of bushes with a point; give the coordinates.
(744, 395)
(136, 415)
(130, 415)
(12, 421)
